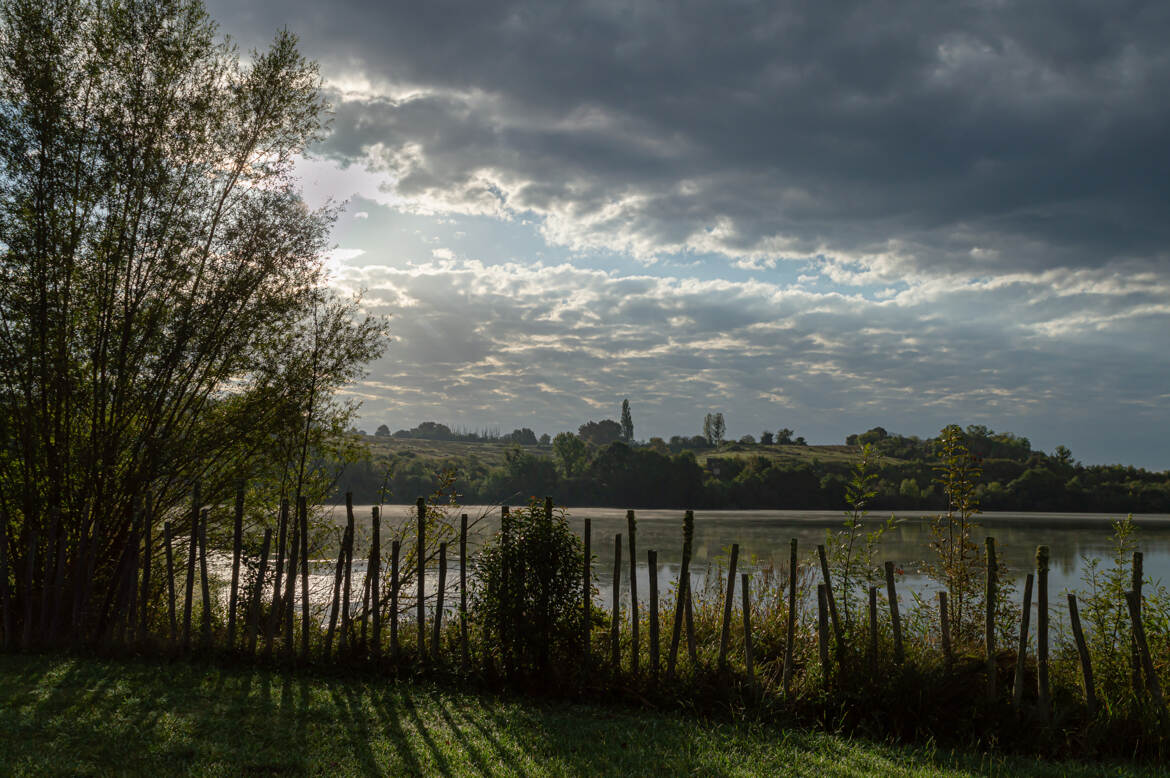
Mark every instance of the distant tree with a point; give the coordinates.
(766, 438)
(431, 430)
(627, 422)
(545, 439)
(659, 445)
(784, 436)
(571, 453)
(800, 441)
(747, 440)
(714, 428)
(875, 435)
(1063, 456)
(523, 437)
(382, 432)
(600, 433)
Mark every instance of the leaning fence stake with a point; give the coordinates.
(1074, 618)
(838, 637)
(237, 549)
(258, 593)
(192, 548)
(204, 582)
(1133, 599)
(438, 624)
(895, 616)
(681, 593)
(728, 602)
(1022, 647)
(170, 557)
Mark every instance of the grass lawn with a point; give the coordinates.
(61, 715)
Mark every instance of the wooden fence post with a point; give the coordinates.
(1135, 661)
(288, 605)
(376, 584)
(989, 626)
(192, 546)
(464, 647)
(838, 636)
(147, 556)
(204, 588)
(1022, 646)
(587, 594)
(748, 658)
(790, 632)
(728, 602)
(170, 559)
(303, 510)
(945, 629)
(895, 616)
(1133, 600)
(682, 592)
(5, 595)
(277, 591)
(258, 594)
(823, 631)
(652, 605)
(634, 614)
(237, 550)
(335, 609)
(421, 588)
(1042, 631)
(1074, 618)
(347, 573)
(395, 551)
(872, 651)
(615, 625)
(438, 624)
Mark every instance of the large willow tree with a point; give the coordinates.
(163, 313)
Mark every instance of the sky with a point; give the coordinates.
(820, 216)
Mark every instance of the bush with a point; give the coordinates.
(528, 594)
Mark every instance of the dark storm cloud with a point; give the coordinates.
(972, 137)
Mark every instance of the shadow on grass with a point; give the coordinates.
(61, 715)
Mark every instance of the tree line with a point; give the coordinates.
(577, 471)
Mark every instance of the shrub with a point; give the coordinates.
(527, 594)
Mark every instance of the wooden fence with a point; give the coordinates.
(264, 620)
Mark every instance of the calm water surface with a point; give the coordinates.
(763, 537)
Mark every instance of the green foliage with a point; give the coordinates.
(627, 423)
(957, 564)
(852, 555)
(527, 592)
(571, 452)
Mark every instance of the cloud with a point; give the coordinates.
(514, 343)
(906, 140)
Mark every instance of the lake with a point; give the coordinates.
(764, 535)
